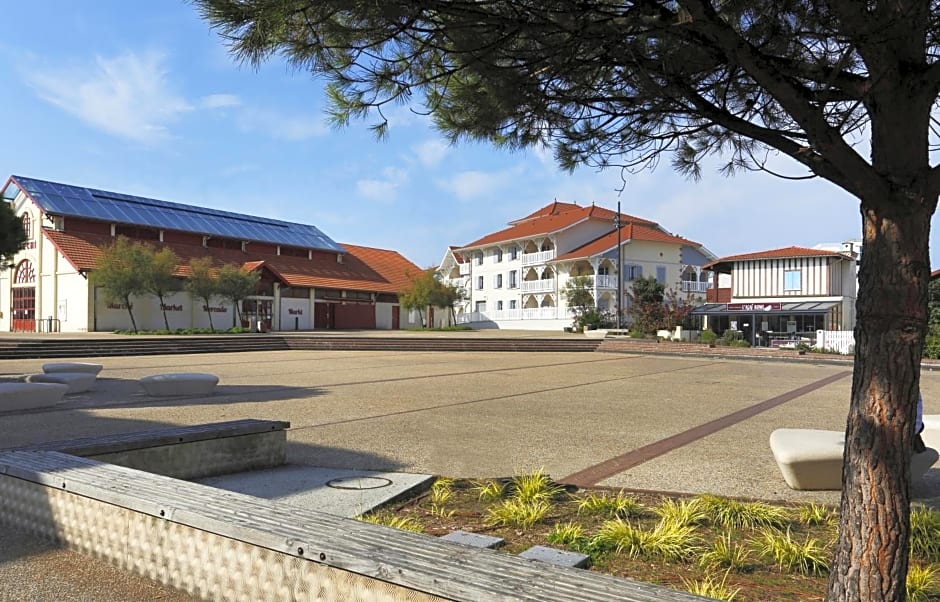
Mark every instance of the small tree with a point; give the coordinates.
(202, 283)
(160, 279)
(419, 293)
(121, 271)
(580, 299)
(235, 283)
(676, 310)
(446, 295)
(12, 235)
(647, 308)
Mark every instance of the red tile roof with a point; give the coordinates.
(552, 218)
(362, 269)
(784, 253)
(631, 231)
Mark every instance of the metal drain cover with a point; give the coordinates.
(359, 483)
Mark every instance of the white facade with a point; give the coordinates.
(519, 283)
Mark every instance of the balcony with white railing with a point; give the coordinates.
(499, 315)
(540, 313)
(538, 258)
(604, 281)
(465, 269)
(538, 286)
(692, 286)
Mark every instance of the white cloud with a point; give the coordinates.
(431, 152)
(469, 185)
(219, 101)
(277, 125)
(384, 189)
(127, 96)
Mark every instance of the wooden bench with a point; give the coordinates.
(27, 396)
(217, 544)
(71, 367)
(812, 458)
(77, 382)
(179, 384)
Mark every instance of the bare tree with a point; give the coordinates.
(623, 83)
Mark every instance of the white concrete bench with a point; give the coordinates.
(71, 367)
(26, 396)
(812, 458)
(931, 432)
(77, 382)
(180, 383)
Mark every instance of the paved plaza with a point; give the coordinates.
(679, 424)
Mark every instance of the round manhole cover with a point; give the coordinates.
(359, 483)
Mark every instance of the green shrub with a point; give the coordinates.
(739, 343)
(708, 337)
(637, 334)
(619, 505)
(925, 534)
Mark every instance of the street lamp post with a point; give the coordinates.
(619, 271)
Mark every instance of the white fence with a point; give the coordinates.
(535, 313)
(841, 341)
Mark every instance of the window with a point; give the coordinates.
(632, 272)
(481, 306)
(513, 279)
(27, 226)
(791, 280)
(479, 283)
(514, 253)
(512, 304)
(498, 255)
(499, 306)
(498, 281)
(478, 258)
(661, 274)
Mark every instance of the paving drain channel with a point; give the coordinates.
(359, 483)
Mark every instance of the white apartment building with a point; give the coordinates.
(514, 278)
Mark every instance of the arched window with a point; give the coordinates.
(25, 274)
(27, 225)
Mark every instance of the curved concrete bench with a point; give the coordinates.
(77, 382)
(71, 367)
(931, 432)
(180, 383)
(26, 396)
(812, 458)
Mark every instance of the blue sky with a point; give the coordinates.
(142, 98)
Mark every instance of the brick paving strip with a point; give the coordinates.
(593, 475)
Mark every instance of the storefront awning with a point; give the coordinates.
(735, 309)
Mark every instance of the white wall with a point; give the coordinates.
(296, 314)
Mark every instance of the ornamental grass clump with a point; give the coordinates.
(536, 486)
(925, 534)
(732, 514)
(684, 512)
(711, 587)
(815, 514)
(726, 554)
(569, 535)
(666, 541)
(619, 505)
(402, 523)
(515, 512)
(490, 491)
(921, 582)
(806, 558)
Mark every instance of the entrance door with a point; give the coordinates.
(396, 318)
(323, 317)
(24, 309)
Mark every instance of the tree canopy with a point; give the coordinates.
(235, 284)
(425, 290)
(12, 235)
(121, 271)
(160, 278)
(203, 283)
(844, 88)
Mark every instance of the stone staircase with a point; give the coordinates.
(30, 348)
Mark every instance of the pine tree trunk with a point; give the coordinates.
(871, 559)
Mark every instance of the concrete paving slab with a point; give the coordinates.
(557, 557)
(475, 540)
(336, 491)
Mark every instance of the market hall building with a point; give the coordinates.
(307, 280)
(781, 295)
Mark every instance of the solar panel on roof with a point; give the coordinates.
(75, 201)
